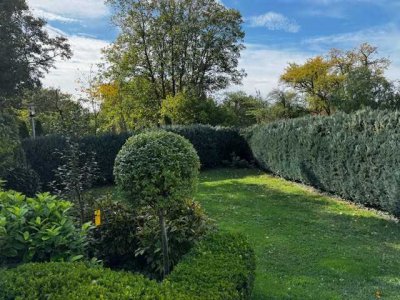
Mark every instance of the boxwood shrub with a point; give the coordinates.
(214, 145)
(354, 156)
(220, 267)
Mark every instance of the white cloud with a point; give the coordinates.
(86, 54)
(75, 9)
(264, 66)
(52, 17)
(386, 38)
(274, 21)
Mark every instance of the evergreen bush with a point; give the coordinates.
(220, 267)
(354, 156)
(214, 145)
(38, 229)
(158, 170)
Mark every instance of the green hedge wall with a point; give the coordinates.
(213, 145)
(220, 267)
(354, 156)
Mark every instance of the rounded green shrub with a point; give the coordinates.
(157, 169)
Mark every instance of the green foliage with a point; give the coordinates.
(105, 148)
(283, 104)
(10, 144)
(186, 109)
(157, 168)
(115, 241)
(344, 80)
(214, 145)
(27, 51)
(353, 156)
(38, 229)
(74, 281)
(171, 47)
(185, 225)
(127, 105)
(129, 238)
(241, 109)
(220, 267)
(363, 88)
(22, 179)
(77, 173)
(42, 154)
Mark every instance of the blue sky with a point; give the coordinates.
(277, 32)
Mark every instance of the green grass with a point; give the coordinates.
(308, 246)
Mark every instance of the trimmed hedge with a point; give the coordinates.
(220, 267)
(354, 156)
(213, 145)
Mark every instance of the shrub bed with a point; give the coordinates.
(213, 145)
(219, 267)
(354, 156)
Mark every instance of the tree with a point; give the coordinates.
(283, 104)
(127, 105)
(57, 112)
(346, 80)
(78, 173)
(177, 45)
(364, 89)
(158, 170)
(241, 109)
(184, 109)
(27, 51)
(315, 79)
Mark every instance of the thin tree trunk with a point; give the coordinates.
(164, 240)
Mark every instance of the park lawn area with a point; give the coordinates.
(308, 246)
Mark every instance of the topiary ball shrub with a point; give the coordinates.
(157, 168)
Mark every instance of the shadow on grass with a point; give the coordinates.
(308, 246)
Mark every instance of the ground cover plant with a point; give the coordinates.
(308, 246)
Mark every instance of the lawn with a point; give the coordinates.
(308, 246)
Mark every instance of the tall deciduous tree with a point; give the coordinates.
(315, 79)
(177, 45)
(27, 51)
(346, 80)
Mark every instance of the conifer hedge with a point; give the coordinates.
(354, 156)
(213, 145)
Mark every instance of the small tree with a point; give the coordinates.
(157, 169)
(78, 172)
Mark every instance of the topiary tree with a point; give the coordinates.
(157, 169)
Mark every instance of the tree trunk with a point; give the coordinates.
(164, 240)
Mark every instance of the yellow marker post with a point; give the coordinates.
(97, 217)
